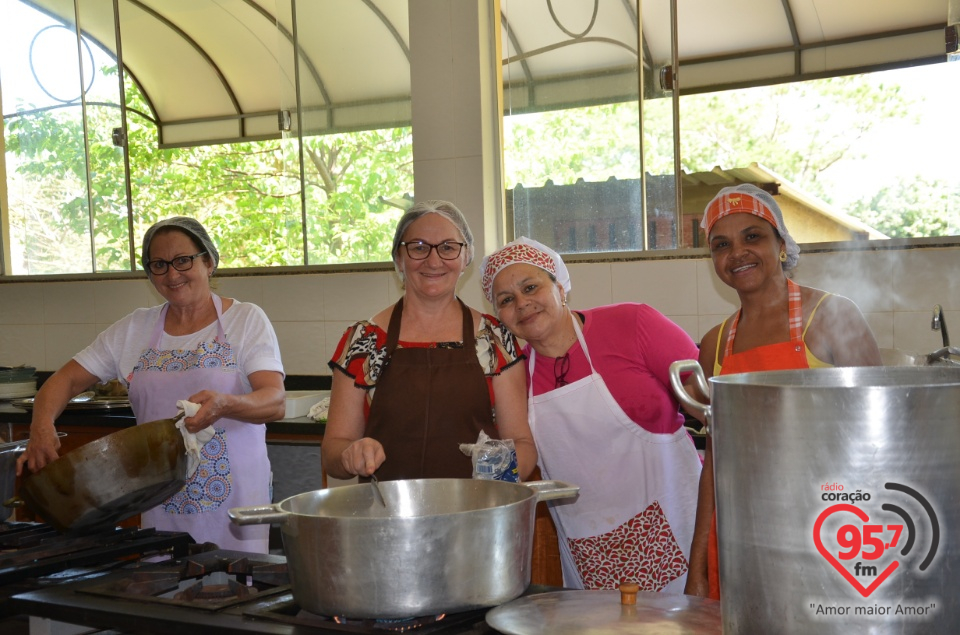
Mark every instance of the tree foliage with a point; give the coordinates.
(67, 180)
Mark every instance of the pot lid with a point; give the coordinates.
(601, 613)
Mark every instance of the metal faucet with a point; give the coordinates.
(939, 324)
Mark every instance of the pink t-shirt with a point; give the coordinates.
(632, 346)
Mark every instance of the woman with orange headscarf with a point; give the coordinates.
(780, 325)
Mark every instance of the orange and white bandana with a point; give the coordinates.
(527, 251)
(734, 202)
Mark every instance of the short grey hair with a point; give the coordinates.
(444, 208)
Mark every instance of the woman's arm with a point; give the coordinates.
(345, 452)
(51, 399)
(266, 402)
(840, 328)
(510, 394)
(697, 580)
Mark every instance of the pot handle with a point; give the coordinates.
(691, 366)
(257, 515)
(550, 490)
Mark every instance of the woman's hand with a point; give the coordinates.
(51, 399)
(363, 457)
(42, 449)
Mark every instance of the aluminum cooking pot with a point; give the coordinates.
(836, 496)
(103, 482)
(438, 546)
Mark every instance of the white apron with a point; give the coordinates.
(234, 469)
(635, 514)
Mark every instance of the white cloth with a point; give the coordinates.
(117, 349)
(629, 478)
(193, 442)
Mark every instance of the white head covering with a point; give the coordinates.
(750, 199)
(528, 251)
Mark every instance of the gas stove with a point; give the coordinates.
(209, 593)
(34, 555)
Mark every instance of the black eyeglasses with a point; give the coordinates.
(560, 367)
(159, 266)
(419, 250)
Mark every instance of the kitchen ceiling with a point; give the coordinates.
(222, 70)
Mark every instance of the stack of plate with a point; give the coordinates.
(17, 382)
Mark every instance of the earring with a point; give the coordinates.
(783, 256)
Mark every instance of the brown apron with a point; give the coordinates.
(428, 402)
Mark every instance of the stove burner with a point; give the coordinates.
(210, 581)
(215, 588)
(392, 625)
(285, 609)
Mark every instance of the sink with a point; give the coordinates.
(897, 357)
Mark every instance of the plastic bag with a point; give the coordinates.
(493, 459)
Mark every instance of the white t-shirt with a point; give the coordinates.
(116, 350)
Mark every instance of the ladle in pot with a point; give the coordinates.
(376, 489)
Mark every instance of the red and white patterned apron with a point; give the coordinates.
(234, 469)
(635, 514)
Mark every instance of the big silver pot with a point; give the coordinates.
(836, 494)
(438, 546)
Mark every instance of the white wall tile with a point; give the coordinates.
(293, 298)
(303, 347)
(355, 296)
(713, 296)
(242, 289)
(22, 344)
(63, 341)
(670, 286)
(114, 299)
(912, 332)
(21, 303)
(592, 285)
(882, 326)
(68, 303)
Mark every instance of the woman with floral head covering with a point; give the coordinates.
(780, 325)
(603, 416)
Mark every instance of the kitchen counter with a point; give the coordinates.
(123, 417)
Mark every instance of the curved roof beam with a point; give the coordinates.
(200, 51)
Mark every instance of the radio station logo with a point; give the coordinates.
(867, 546)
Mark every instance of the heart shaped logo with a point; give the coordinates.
(862, 515)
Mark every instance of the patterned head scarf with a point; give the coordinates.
(527, 251)
(750, 199)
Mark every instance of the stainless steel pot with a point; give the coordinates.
(103, 482)
(8, 473)
(438, 546)
(836, 494)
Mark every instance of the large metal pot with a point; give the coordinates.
(103, 482)
(836, 494)
(438, 546)
(8, 472)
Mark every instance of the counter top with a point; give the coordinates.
(123, 417)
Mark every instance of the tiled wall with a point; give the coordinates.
(44, 323)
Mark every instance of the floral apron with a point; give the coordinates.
(234, 469)
(635, 514)
(791, 355)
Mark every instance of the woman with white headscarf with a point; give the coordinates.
(780, 325)
(603, 417)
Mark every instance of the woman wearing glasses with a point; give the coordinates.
(428, 373)
(604, 417)
(216, 352)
